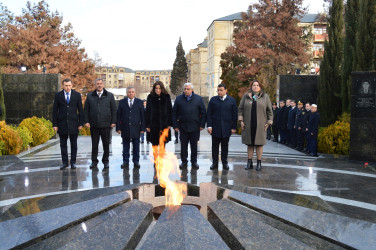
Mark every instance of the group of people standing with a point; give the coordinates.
(188, 116)
(296, 125)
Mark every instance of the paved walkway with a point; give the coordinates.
(285, 171)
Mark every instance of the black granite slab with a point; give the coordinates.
(43, 203)
(25, 230)
(119, 228)
(243, 228)
(183, 227)
(344, 231)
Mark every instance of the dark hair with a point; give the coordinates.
(293, 101)
(66, 80)
(222, 85)
(308, 103)
(283, 101)
(261, 87)
(163, 90)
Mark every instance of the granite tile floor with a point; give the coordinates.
(336, 180)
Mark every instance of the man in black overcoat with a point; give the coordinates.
(291, 124)
(275, 121)
(130, 124)
(67, 120)
(189, 118)
(222, 117)
(100, 117)
(282, 121)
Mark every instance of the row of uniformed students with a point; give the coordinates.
(296, 126)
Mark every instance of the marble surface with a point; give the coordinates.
(243, 228)
(24, 230)
(183, 227)
(123, 230)
(43, 203)
(345, 231)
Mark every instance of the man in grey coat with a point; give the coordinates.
(100, 117)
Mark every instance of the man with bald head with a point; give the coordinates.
(189, 118)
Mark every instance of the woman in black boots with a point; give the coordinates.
(255, 116)
(158, 114)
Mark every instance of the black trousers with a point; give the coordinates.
(192, 138)
(104, 134)
(275, 132)
(224, 149)
(64, 148)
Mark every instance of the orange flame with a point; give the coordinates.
(166, 163)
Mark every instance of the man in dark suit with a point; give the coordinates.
(291, 124)
(130, 124)
(275, 121)
(306, 116)
(222, 117)
(282, 121)
(67, 120)
(100, 117)
(188, 117)
(313, 130)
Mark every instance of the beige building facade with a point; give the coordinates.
(115, 76)
(197, 68)
(144, 80)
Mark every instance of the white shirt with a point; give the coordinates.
(223, 98)
(130, 101)
(65, 95)
(99, 94)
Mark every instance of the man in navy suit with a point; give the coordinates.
(291, 124)
(189, 118)
(130, 124)
(67, 120)
(222, 117)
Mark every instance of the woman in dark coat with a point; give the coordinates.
(255, 116)
(158, 114)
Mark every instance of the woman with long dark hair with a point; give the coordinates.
(158, 114)
(255, 116)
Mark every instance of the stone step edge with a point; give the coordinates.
(290, 223)
(70, 225)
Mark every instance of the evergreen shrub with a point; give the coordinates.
(26, 136)
(39, 131)
(335, 139)
(48, 125)
(11, 139)
(84, 131)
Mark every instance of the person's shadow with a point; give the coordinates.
(194, 176)
(136, 176)
(215, 176)
(106, 178)
(184, 175)
(64, 181)
(74, 182)
(126, 177)
(224, 177)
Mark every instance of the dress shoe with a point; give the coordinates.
(106, 166)
(64, 166)
(258, 166)
(249, 164)
(176, 141)
(93, 165)
(195, 165)
(124, 165)
(183, 165)
(214, 166)
(137, 165)
(142, 142)
(73, 165)
(226, 166)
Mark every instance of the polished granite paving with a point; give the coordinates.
(341, 184)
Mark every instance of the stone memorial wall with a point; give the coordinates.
(298, 87)
(27, 95)
(363, 117)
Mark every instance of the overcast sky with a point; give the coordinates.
(143, 34)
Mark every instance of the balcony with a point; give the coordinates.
(320, 37)
(318, 53)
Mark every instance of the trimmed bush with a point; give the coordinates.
(11, 139)
(335, 139)
(38, 130)
(48, 125)
(26, 137)
(85, 131)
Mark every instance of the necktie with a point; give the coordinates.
(130, 104)
(68, 98)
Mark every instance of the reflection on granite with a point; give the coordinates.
(344, 231)
(121, 228)
(43, 203)
(183, 227)
(243, 228)
(24, 230)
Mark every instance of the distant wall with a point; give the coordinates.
(363, 117)
(27, 95)
(298, 87)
